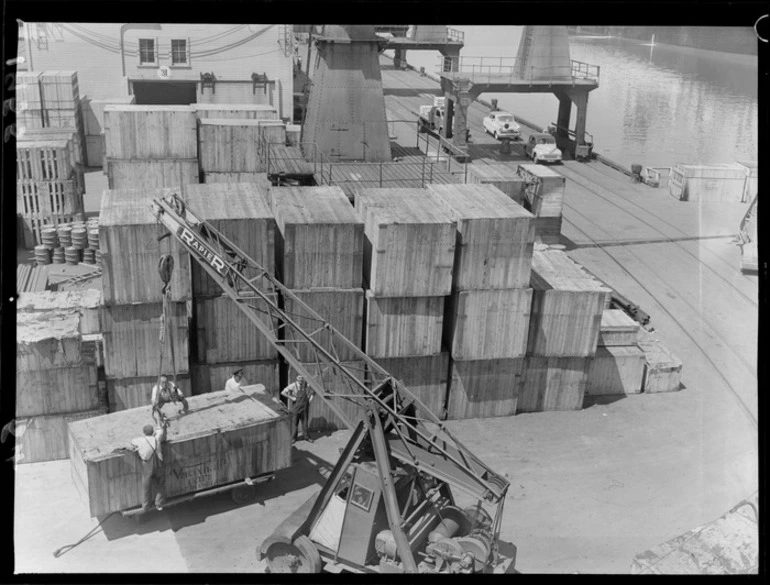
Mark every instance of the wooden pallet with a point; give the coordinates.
(45, 160)
(45, 199)
(43, 134)
(403, 326)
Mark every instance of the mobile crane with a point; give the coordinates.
(388, 505)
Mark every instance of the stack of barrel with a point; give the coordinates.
(132, 297)
(225, 340)
(488, 313)
(150, 147)
(544, 197)
(409, 252)
(567, 307)
(56, 375)
(319, 257)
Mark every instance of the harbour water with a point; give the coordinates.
(656, 105)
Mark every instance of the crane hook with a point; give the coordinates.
(166, 269)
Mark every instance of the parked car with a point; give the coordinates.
(501, 125)
(542, 148)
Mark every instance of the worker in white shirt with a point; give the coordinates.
(149, 448)
(299, 395)
(235, 381)
(164, 393)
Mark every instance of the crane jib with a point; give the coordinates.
(204, 252)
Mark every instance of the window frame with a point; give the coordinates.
(154, 62)
(186, 63)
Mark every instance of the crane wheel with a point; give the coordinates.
(301, 556)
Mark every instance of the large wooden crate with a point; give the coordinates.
(320, 241)
(427, 377)
(503, 176)
(44, 199)
(44, 134)
(488, 324)
(45, 160)
(59, 90)
(152, 174)
(131, 339)
(567, 306)
(28, 91)
(410, 242)
(544, 195)
(258, 178)
(128, 241)
(271, 132)
(146, 132)
(342, 308)
(236, 111)
(617, 328)
(484, 388)
(224, 334)
(126, 393)
(403, 326)
(241, 212)
(553, 383)
(45, 438)
(321, 417)
(229, 146)
(213, 377)
(29, 119)
(495, 237)
(93, 114)
(57, 390)
(222, 440)
(616, 370)
(708, 183)
(662, 369)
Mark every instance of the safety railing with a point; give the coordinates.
(397, 30)
(582, 70)
(508, 70)
(455, 36)
(453, 158)
(656, 176)
(274, 153)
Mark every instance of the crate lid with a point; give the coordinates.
(244, 201)
(402, 206)
(473, 201)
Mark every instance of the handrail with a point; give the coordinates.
(510, 68)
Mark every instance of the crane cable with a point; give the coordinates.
(165, 270)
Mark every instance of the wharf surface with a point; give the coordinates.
(590, 489)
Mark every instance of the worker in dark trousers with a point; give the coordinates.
(299, 395)
(149, 449)
(164, 393)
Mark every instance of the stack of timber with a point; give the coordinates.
(56, 382)
(224, 338)
(711, 183)
(132, 292)
(662, 369)
(224, 438)
(544, 197)
(236, 145)
(93, 123)
(503, 176)
(567, 308)
(319, 256)
(149, 147)
(487, 316)
(31, 278)
(618, 366)
(48, 190)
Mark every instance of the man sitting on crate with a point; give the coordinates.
(299, 396)
(149, 449)
(163, 394)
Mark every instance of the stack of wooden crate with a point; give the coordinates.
(503, 176)
(487, 317)
(224, 339)
(149, 147)
(319, 257)
(56, 379)
(544, 197)
(132, 294)
(618, 366)
(567, 307)
(93, 123)
(48, 191)
(409, 253)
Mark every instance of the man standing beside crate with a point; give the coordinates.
(299, 396)
(149, 447)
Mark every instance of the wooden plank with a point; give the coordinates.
(484, 388)
(213, 377)
(616, 370)
(235, 111)
(342, 308)
(128, 242)
(617, 328)
(662, 369)
(495, 237)
(127, 393)
(241, 212)
(223, 439)
(45, 438)
(131, 339)
(152, 174)
(229, 146)
(427, 377)
(403, 326)
(320, 241)
(553, 383)
(410, 242)
(485, 325)
(150, 132)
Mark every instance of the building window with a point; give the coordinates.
(147, 52)
(178, 52)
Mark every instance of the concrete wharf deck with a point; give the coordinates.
(589, 489)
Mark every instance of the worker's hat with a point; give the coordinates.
(148, 429)
(238, 371)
